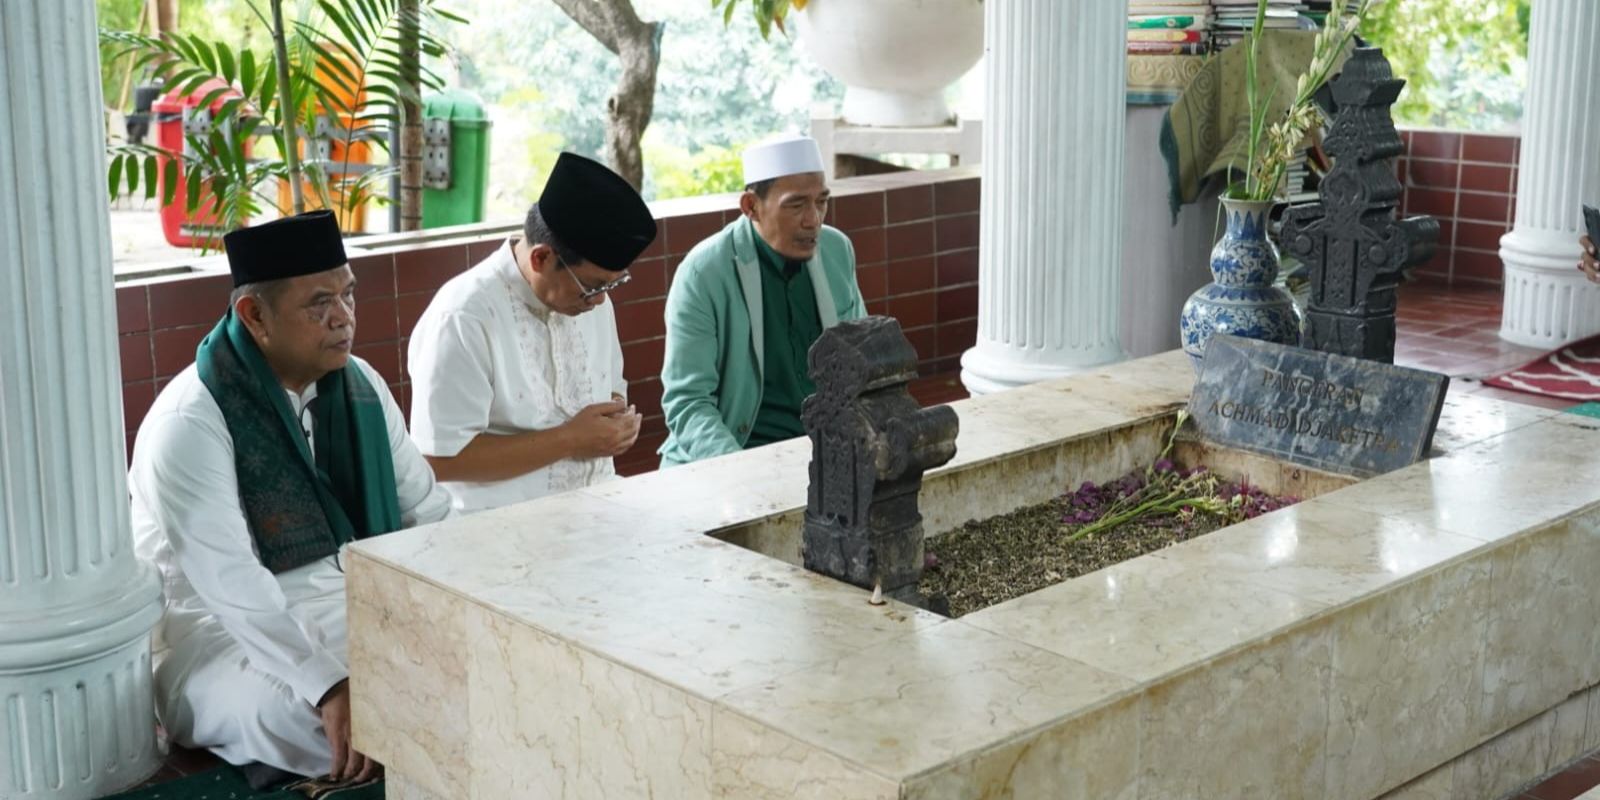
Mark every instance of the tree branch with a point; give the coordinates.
(599, 22)
(288, 111)
(616, 25)
(411, 140)
(621, 13)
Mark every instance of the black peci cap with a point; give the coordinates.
(596, 213)
(285, 248)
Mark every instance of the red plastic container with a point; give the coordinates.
(180, 228)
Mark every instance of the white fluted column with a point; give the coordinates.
(1548, 302)
(76, 608)
(1051, 241)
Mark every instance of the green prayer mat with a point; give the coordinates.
(226, 783)
(1586, 410)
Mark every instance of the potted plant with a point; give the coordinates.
(1242, 299)
(895, 57)
(347, 66)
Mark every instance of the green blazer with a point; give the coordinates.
(711, 378)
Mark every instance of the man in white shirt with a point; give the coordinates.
(516, 370)
(253, 468)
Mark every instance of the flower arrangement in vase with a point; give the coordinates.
(1242, 299)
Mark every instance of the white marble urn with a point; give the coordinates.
(895, 57)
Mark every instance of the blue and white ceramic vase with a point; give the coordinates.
(1241, 299)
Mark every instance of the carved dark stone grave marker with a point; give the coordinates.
(1331, 412)
(870, 444)
(1350, 240)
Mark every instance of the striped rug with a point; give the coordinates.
(1572, 373)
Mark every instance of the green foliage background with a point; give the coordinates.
(546, 81)
(1464, 61)
(230, 22)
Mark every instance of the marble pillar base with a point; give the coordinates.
(1548, 302)
(79, 730)
(991, 370)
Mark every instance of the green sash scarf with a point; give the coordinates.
(300, 509)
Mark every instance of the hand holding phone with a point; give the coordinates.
(1590, 261)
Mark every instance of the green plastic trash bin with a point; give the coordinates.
(455, 159)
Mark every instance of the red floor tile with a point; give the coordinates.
(1577, 779)
(1456, 330)
(938, 389)
(1422, 327)
(1496, 393)
(182, 761)
(166, 774)
(189, 761)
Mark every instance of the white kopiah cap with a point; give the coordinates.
(790, 155)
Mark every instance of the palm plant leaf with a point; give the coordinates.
(348, 62)
(114, 175)
(364, 56)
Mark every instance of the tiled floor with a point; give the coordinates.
(1453, 330)
(182, 761)
(1576, 780)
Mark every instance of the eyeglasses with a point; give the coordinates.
(587, 293)
(321, 309)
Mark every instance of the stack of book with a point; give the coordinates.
(1167, 43)
(1317, 10)
(1234, 19)
(1169, 27)
(1297, 184)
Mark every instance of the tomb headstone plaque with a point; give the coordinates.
(1350, 240)
(870, 443)
(1321, 410)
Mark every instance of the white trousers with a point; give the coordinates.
(209, 696)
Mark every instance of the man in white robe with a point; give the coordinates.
(516, 369)
(242, 500)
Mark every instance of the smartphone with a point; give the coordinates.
(1591, 220)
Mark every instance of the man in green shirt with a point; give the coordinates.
(746, 305)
